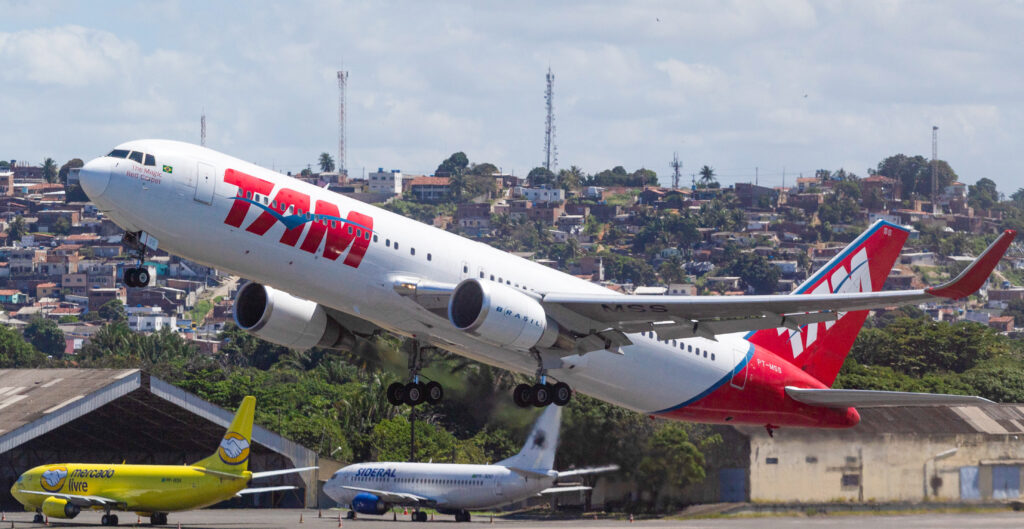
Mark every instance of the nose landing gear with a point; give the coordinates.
(136, 243)
(415, 392)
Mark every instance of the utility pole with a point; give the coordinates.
(342, 167)
(202, 129)
(676, 166)
(935, 168)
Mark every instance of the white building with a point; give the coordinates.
(388, 182)
(149, 319)
(541, 194)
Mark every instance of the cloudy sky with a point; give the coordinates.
(781, 86)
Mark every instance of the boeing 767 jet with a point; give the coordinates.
(324, 270)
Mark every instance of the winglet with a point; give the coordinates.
(972, 277)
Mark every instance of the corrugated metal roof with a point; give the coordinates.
(996, 419)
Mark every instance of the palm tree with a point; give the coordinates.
(707, 176)
(326, 163)
(50, 170)
(17, 228)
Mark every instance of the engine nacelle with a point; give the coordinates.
(58, 508)
(501, 315)
(366, 503)
(281, 318)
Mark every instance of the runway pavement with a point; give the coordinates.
(290, 518)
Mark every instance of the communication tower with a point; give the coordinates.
(676, 166)
(935, 167)
(202, 129)
(550, 150)
(342, 81)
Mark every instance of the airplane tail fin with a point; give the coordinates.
(539, 451)
(821, 348)
(232, 454)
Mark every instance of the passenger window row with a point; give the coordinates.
(683, 346)
(136, 156)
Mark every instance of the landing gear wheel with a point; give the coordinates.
(522, 395)
(434, 392)
(415, 393)
(396, 395)
(105, 519)
(158, 518)
(141, 277)
(38, 518)
(462, 516)
(562, 394)
(113, 519)
(542, 395)
(420, 516)
(351, 515)
(130, 277)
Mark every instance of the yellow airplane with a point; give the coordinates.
(63, 490)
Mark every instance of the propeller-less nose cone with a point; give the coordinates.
(95, 176)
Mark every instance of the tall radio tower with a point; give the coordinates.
(202, 129)
(342, 80)
(935, 167)
(676, 166)
(550, 150)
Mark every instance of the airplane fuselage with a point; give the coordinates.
(348, 255)
(141, 488)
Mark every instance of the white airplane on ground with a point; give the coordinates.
(326, 269)
(374, 488)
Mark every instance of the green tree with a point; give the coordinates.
(15, 352)
(755, 271)
(113, 311)
(456, 163)
(62, 226)
(571, 179)
(540, 176)
(326, 162)
(245, 349)
(915, 173)
(49, 170)
(45, 336)
(707, 177)
(983, 194)
(17, 228)
(919, 346)
(65, 169)
(671, 460)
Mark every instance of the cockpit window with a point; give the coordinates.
(136, 155)
(150, 160)
(118, 153)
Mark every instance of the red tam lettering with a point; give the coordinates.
(247, 186)
(355, 256)
(284, 199)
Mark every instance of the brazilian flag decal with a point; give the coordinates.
(168, 169)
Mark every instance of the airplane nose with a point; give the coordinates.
(95, 176)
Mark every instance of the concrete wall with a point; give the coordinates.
(810, 466)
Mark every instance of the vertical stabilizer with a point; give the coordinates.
(232, 454)
(821, 348)
(539, 451)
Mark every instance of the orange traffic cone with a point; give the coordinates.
(3, 516)
(138, 519)
(339, 520)
(319, 514)
(405, 511)
(630, 518)
(431, 517)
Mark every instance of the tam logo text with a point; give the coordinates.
(293, 209)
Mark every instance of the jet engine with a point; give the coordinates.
(366, 503)
(501, 315)
(281, 318)
(58, 508)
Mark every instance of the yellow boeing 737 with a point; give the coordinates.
(63, 490)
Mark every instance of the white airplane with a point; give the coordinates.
(374, 488)
(325, 269)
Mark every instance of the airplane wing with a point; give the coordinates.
(258, 475)
(257, 490)
(674, 317)
(591, 470)
(862, 398)
(555, 490)
(77, 499)
(397, 498)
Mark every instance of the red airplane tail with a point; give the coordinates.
(821, 348)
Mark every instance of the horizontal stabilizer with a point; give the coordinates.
(267, 474)
(591, 470)
(257, 490)
(528, 473)
(555, 490)
(862, 398)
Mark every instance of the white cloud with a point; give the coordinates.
(68, 55)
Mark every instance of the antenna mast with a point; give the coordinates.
(550, 150)
(935, 167)
(676, 166)
(342, 81)
(202, 129)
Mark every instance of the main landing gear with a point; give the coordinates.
(462, 516)
(135, 243)
(158, 518)
(543, 393)
(415, 392)
(419, 516)
(108, 519)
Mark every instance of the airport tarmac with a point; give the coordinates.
(289, 518)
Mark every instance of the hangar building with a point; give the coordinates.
(114, 415)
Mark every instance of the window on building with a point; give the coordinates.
(771, 461)
(851, 460)
(851, 480)
(811, 459)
